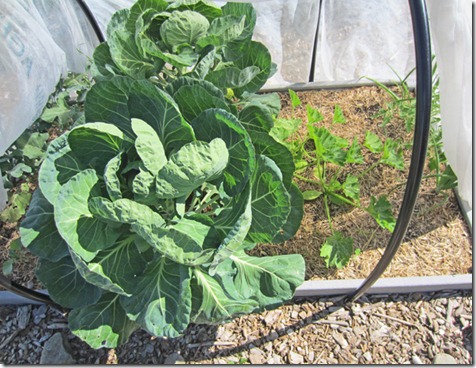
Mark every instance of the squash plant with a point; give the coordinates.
(144, 214)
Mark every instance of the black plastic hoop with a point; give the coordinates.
(421, 34)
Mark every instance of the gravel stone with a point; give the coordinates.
(443, 358)
(54, 352)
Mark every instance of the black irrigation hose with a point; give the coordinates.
(421, 36)
(84, 7)
(26, 292)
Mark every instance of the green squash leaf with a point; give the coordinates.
(381, 210)
(373, 142)
(393, 154)
(354, 153)
(351, 188)
(337, 250)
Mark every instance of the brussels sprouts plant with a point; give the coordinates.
(143, 217)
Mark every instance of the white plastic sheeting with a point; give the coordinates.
(41, 39)
(364, 38)
(451, 27)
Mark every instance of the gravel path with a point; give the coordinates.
(389, 329)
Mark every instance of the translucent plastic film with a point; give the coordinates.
(370, 38)
(451, 27)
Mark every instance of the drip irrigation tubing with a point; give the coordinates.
(421, 34)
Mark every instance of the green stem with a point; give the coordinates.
(370, 168)
(345, 200)
(328, 213)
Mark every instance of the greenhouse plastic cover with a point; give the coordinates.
(40, 40)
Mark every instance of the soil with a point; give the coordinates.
(438, 240)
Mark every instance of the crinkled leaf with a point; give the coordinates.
(270, 201)
(35, 146)
(266, 145)
(337, 250)
(65, 284)
(223, 30)
(160, 111)
(85, 234)
(18, 202)
(148, 146)
(102, 325)
(373, 142)
(59, 166)
(256, 117)
(194, 99)
(183, 27)
(163, 301)
(38, 230)
(205, 7)
(393, 154)
(296, 213)
(235, 222)
(103, 66)
(191, 166)
(124, 51)
(213, 303)
(216, 123)
(268, 280)
(111, 177)
(381, 210)
(95, 144)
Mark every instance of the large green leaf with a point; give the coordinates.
(192, 100)
(235, 222)
(329, 147)
(256, 117)
(223, 30)
(233, 77)
(160, 111)
(65, 284)
(148, 146)
(106, 101)
(191, 166)
(183, 27)
(163, 301)
(205, 7)
(122, 264)
(59, 166)
(95, 144)
(293, 222)
(269, 280)
(111, 177)
(124, 51)
(266, 145)
(103, 67)
(240, 9)
(270, 202)
(38, 230)
(213, 303)
(85, 234)
(217, 123)
(102, 325)
(255, 55)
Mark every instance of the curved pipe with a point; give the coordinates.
(421, 36)
(92, 20)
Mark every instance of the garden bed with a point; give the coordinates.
(438, 241)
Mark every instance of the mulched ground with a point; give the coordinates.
(386, 329)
